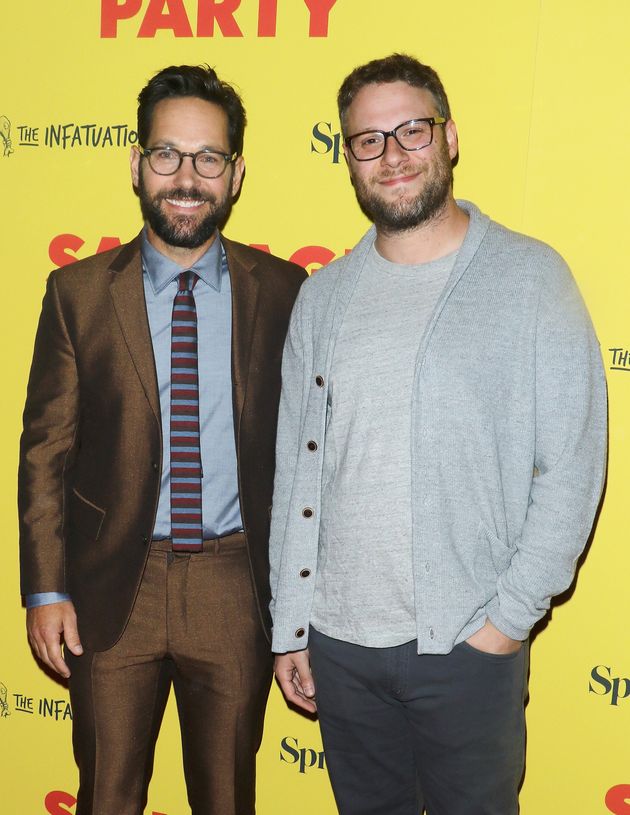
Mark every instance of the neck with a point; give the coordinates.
(426, 242)
(185, 258)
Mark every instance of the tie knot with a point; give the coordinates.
(187, 281)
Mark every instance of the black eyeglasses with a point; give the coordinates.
(415, 134)
(168, 160)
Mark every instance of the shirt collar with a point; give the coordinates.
(162, 270)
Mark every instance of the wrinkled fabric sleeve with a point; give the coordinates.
(51, 418)
(570, 458)
(290, 421)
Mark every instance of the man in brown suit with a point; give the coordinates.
(101, 570)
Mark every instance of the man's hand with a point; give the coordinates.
(48, 626)
(293, 672)
(493, 641)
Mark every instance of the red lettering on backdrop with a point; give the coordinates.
(58, 798)
(61, 245)
(618, 799)
(308, 255)
(320, 12)
(107, 243)
(267, 17)
(63, 249)
(223, 12)
(175, 19)
(58, 246)
(112, 11)
(171, 15)
(55, 801)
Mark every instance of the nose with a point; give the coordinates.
(393, 153)
(186, 174)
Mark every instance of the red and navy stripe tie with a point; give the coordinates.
(186, 472)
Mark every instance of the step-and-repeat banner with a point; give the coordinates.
(538, 89)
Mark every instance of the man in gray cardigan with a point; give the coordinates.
(440, 458)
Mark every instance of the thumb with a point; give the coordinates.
(71, 637)
(306, 680)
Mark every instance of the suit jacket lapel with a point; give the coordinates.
(127, 291)
(245, 286)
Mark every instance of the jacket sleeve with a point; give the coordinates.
(290, 422)
(570, 458)
(50, 424)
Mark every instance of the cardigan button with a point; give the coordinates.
(312, 446)
(305, 573)
(319, 381)
(307, 512)
(300, 632)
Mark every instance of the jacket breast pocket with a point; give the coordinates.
(84, 516)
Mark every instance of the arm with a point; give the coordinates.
(50, 421)
(287, 440)
(570, 459)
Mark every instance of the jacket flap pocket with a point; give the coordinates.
(84, 516)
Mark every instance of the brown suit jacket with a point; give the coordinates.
(90, 459)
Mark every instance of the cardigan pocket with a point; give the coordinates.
(493, 556)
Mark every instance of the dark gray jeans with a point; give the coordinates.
(402, 731)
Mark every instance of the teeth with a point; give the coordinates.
(181, 203)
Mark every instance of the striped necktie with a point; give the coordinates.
(186, 472)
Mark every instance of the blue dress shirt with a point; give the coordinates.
(221, 513)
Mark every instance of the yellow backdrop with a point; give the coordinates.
(539, 92)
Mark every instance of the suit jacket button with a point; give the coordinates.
(154, 464)
(305, 573)
(319, 381)
(307, 512)
(312, 446)
(145, 539)
(300, 632)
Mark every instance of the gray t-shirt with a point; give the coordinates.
(364, 590)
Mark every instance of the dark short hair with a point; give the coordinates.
(201, 82)
(394, 68)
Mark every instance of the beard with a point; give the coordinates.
(183, 231)
(407, 213)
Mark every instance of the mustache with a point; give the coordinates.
(180, 194)
(402, 170)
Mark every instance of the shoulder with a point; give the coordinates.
(325, 280)
(519, 257)
(96, 266)
(264, 261)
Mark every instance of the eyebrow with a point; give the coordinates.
(172, 143)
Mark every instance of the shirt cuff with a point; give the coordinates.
(45, 598)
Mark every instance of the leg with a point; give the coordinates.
(467, 712)
(222, 676)
(118, 699)
(367, 739)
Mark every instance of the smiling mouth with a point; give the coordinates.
(187, 203)
(399, 179)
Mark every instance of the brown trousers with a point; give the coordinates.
(195, 624)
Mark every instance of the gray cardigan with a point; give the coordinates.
(508, 440)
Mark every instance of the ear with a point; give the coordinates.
(134, 163)
(451, 138)
(238, 169)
